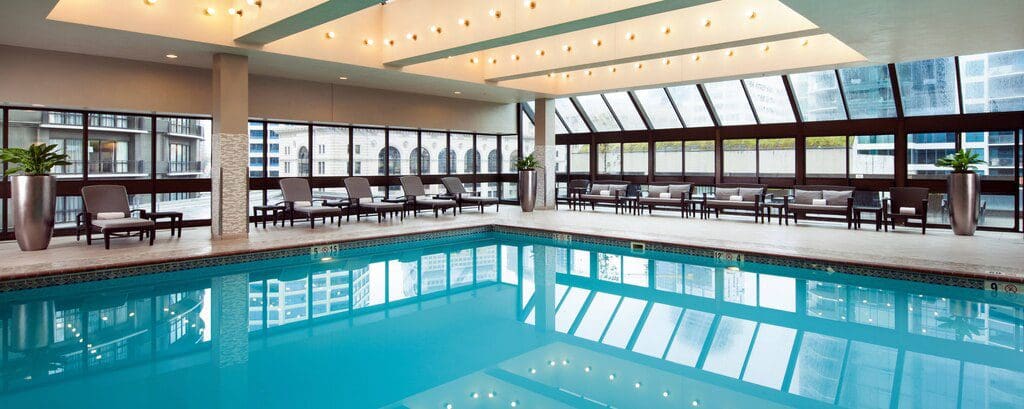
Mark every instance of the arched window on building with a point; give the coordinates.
(303, 161)
(472, 161)
(419, 159)
(444, 158)
(492, 161)
(395, 163)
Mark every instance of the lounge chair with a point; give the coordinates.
(670, 195)
(573, 190)
(416, 197)
(905, 204)
(458, 192)
(107, 212)
(298, 200)
(820, 200)
(606, 191)
(735, 196)
(361, 198)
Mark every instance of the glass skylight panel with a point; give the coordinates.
(777, 292)
(689, 340)
(559, 128)
(625, 111)
(928, 87)
(596, 317)
(929, 381)
(730, 103)
(625, 320)
(572, 118)
(867, 379)
(659, 109)
(818, 365)
(657, 330)
(770, 99)
(992, 82)
(691, 106)
(570, 308)
(868, 92)
(981, 380)
(817, 96)
(769, 356)
(729, 347)
(594, 107)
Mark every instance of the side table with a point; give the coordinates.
(260, 214)
(175, 218)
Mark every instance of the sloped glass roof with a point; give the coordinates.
(659, 109)
(730, 103)
(817, 96)
(601, 117)
(691, 106)
(868, 92)
(572, 118)
(992, 82)
(625, 111)
(928, 87)
(770, 100)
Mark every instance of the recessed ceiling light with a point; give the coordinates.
(342, 78)
(540, 53)
(473, 60)
(389, 42)
(707, 22)
(367, 41)
(210, 11)
(639, 66)
(630, 36)
(752, 14)
(566, 75)
(666, 61)
(171, 56)
(411, 36)
(150, 2)
(589, 73)
(613, 70)
(666, 30)
(765, 48)
(696, 57)
(551, 75)
(597, 42)
(515, 57)
(805, 42)
(257, 3)
(235, 12)
(457, 92)
(530, 4)
(567, 48)
(730, 53)
(464, 22)
(330, 35)
(494, 13)
(435, 29)
(492, 60)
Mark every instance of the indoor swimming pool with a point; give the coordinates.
(499, 319)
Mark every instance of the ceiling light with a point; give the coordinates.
(492, 60)
(567, 48)
(597, 42)
(566, 75)
(367, 41)
(540, 53)
(435, 29)
(494, 13)
(150, 2)
(449, 406)
(611, 377)
(707, 22)
(411, 36)
(515, 57)
(666, 61)
(752, 14)
(473, 60)
(530, 4)
(805, 42)
(665, 394)
(235, 12)
(765, 48)
(589, 73)
(330, 35)
(513, 403)
(695, 403)
(696, 57)
(342, 78)
(491, 394)
(731, 53)
(460, 93)
(389, 42)
(464, 22)
(613, 70)
(171, 56)
(639, 65)
(257, 3)
(630, 36)
(586, 369)
(210, 11)
(637, 385)
(475, 395)
(666, 30)
(550, 75)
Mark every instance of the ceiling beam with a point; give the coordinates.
(552, 30)
(303, 20)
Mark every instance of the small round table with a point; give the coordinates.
(175, 218)
(260, 214)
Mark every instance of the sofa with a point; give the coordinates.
(744, 197)
(606, 191)
(674, 195)
(820, 200)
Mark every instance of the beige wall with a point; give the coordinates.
(30, 76)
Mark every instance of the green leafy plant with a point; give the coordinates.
(962, 161)
(527, 163)
(37, 160)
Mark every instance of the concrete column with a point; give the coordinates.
(229, 336)
(544, 128)
(229, 153)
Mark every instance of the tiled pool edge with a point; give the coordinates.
(46, 279)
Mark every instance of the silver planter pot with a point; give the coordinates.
(964, 192)
(34, 199)
(527, 189)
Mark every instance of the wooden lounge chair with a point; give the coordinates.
(606, 191)
(416, 197)
(820, 200)
(573, 190)
(670, 195)
(361, 198)
(458, 192)
(905, 204)
(107, 212)
(298, 201)
(735, 196)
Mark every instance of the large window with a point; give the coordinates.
(625, 111)
(609, 159)
(668, 158)
(330, 151)
(292, 157)
(826, 156)
(509, 153)
(634, 158)
(992, 82)
(119, 146)
(928, 87)
(995, 148)
(598, 112)
(659, 109)
(730, 103)
(740, 157)
(923, 149)
(257, 144)
(579, 159)
(432, 147)
(868, 92)
(465, 155)
(872, 156)
(770, 99)
(54, 127)
(817, 96)
(367, 146)
(776, 157)
(401, 144)
(487, 148)
(699, 158)
(691, 106)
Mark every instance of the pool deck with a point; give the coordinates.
(989, 255)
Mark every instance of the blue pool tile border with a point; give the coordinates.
(782, 261)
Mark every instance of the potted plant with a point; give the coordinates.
(963, 188)
(527, 182)
(33, 192)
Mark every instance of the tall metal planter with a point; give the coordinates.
(34, 199)
(964, 195)
(528, 189)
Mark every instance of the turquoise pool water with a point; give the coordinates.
(492, 320)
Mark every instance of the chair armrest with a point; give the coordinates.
(142, 212)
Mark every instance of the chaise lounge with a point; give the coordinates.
(298, 200)
(746, 197)
(361, 198)
(457, 191)
(107, 212)
(820, 200)
(670, 196)
(416, 197)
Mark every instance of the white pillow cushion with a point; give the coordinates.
(818, 202)
(302, 203)
(736, 198)
(110, 215)
(605, 193)
(665, 195)
(908, 210)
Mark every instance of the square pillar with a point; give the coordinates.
(229, 153)
(544, 127)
